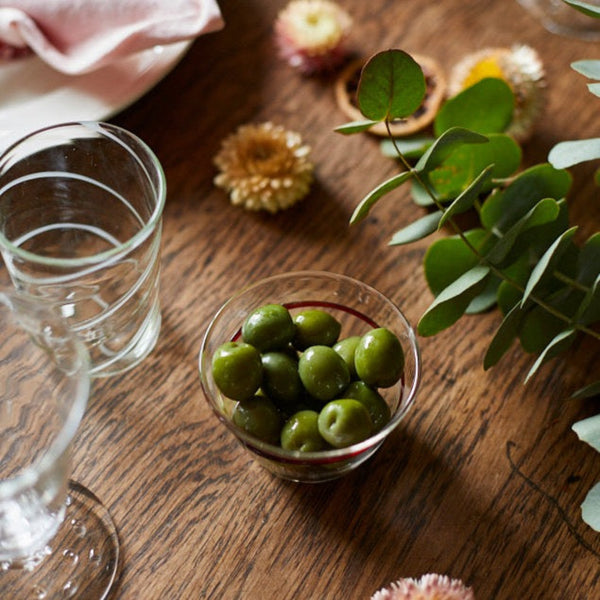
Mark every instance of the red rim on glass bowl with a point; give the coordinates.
(359, 308)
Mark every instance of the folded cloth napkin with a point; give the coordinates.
(78, 36)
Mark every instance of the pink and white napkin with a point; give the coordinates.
(78, 36)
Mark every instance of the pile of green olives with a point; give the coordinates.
(298, 385)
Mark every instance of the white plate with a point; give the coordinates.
(33, 95)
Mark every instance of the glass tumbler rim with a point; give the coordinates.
(134, 241)
(31, 474)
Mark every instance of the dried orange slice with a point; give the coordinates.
(347, 84)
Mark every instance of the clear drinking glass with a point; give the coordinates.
(56, 539)
(558, 17)
(80, 228)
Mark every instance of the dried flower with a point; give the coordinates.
(310, 34)
(521, 68)
(429, 587)
(264, 166)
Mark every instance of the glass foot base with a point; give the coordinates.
(80, 562)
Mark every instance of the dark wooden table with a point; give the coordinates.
(485, 479)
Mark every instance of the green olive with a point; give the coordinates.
(259, 417)
(323, 372)
(281, 382)
(344, 422)
(268, 327)
(346, 349)
(237, 370)
(315, 327)
(301, 433)
(372, 400)
(379, 358)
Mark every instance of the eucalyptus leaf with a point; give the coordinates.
(362, 210)
(588, 275)
(590, 509)
(517, 272)
(452, 302)
(504, 337)
(542, 324)
(410, 147)
(355, 127)
(487, 298)
(588, 263)
(420, 196)
(547, 261)
(457, 172)
(448, 258)
(468, 198)
(485, 107)
(417, 230)
(392, 86)
(537, 240)
(445, 144)
(538, 329)
(567, 154)
(588, 391)
(559, 344)
(588, 68)
(544, 211)
(503, 209)
(589, 309)
(588, 430)
(588, 9)
(594, 88)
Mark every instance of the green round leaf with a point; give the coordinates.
(503, 209)
(455, 174)
(449, 258)
(392, 86)
(485, 107)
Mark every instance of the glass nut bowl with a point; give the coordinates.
(358, 308)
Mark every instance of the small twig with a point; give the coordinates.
(551, 499)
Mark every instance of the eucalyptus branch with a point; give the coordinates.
(463, 270)
(483, 259)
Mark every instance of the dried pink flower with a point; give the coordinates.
(429, 587)
(310, 34)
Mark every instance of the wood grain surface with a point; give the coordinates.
(485, 479)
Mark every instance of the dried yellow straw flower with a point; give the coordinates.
(429, 587)
(521, 67)
(264, 167)
(311, 34)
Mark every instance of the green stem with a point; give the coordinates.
(498, 272)
(571, 282)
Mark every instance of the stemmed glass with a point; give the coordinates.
(56, 539)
